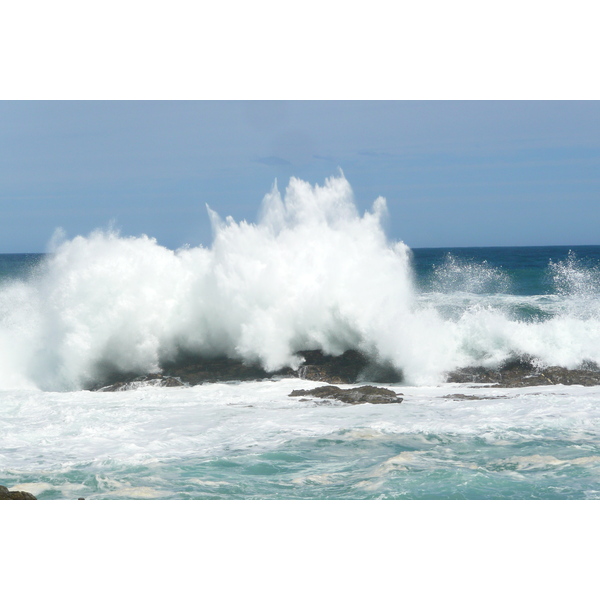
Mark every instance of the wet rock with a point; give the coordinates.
(194, 371)
(5, 494)
(349, 367)
(457, 397)
(154, 380)
(334, 369)
(201, 371)
(360, 395)
(524, 373)
(572, 376)
(460, 397)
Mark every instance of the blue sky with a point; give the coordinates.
(454, 173)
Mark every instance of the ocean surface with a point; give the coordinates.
(312, 273)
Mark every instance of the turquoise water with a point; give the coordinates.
(309, 469)
(251, 441)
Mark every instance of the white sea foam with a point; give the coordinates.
(536, 461)
(312, 273)
(323, 479)
(133, 444)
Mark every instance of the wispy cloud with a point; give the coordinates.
(272, 161)
(376, 154)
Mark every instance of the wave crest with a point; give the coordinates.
(308, 275)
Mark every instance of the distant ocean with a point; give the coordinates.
(312, 274)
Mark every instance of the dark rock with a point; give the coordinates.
(5, 494)
(334, 369)
(349, 367)
(459, 397)
(572, 376)
(523, 372)
(359, 395)
(194, 371)
(154, 380)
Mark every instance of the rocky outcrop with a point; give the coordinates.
(154, 380)
(349, 367)
(194, 371)
(523, 373)
(5, 494)
(360, 395)
(189, 371)
(461, 397)
(334, 369)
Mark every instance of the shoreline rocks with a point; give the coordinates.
(347, 368)
(360, 395)
(154, 380)
(6, 494)
(523, 373)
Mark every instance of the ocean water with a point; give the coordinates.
(312, 273)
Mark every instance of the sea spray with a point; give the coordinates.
(461, 276)
(312, 274)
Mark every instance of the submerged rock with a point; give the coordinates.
(524, 373)
(154, 380)
(461, 397)
(6, 494)
(360, 395)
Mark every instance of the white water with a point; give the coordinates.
(215, 438)
(312, 273)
